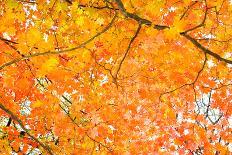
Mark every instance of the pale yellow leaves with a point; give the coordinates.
(100, 21)
(174, 30)
(37, 104)
(80, 21)
(187, 1)
(155, 6)
(48, 66)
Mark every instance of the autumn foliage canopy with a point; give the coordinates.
(115, 77)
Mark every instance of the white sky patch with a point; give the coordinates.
(230, 121)
(172, 9)
(101, 60)
(138, 109)
(214, 114)
(104, 80)
(100, 21)
(81, 98)
(54, 28)
(29, 22)
(153, 137)
(6, 36)
(186, 132)
(108, 140)
(230, 1)
(110, 60)
(180, 117)
(147, 121)
(45, 37)
(25, 108)
(33, 7)
(3, 121)
(230, 147)
(127, 115)
(209, 36)
(210, 63)
(111, 127)
(33, 151)
(228, 55)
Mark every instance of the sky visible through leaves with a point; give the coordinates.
(120, 77)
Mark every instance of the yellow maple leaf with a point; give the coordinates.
(48, 66)
(80, 21)
(37, 104)
(175, 29)
(33, 36)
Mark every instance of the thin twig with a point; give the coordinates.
(127, 50)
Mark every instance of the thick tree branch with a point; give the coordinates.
(161, 27)
(204, 49)
(138, 18)
(14, 117)
(7, 41)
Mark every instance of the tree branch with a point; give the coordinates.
(127, 50)
(138, 18)
(14, 117)
(203, 21)
(188, 84)
(61, 51)
(204, 49)
(97, 7)
(7, 41)
(188, 8)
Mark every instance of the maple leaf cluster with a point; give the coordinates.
(115, 77)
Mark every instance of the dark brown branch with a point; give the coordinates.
(217, 120)
(208, 106)
(161, 27)
(138, 18)
(202, 68)
(8, 41)
(188, 8)
(127, 50)
(96, 7)
(203, 21)
(103, 66)
(100, 143)
(9, 122)
(69, 116)
(69, 1)
(28, 1)
(14, 117)
(204, 49)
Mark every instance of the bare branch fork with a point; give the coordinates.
(184, 34)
